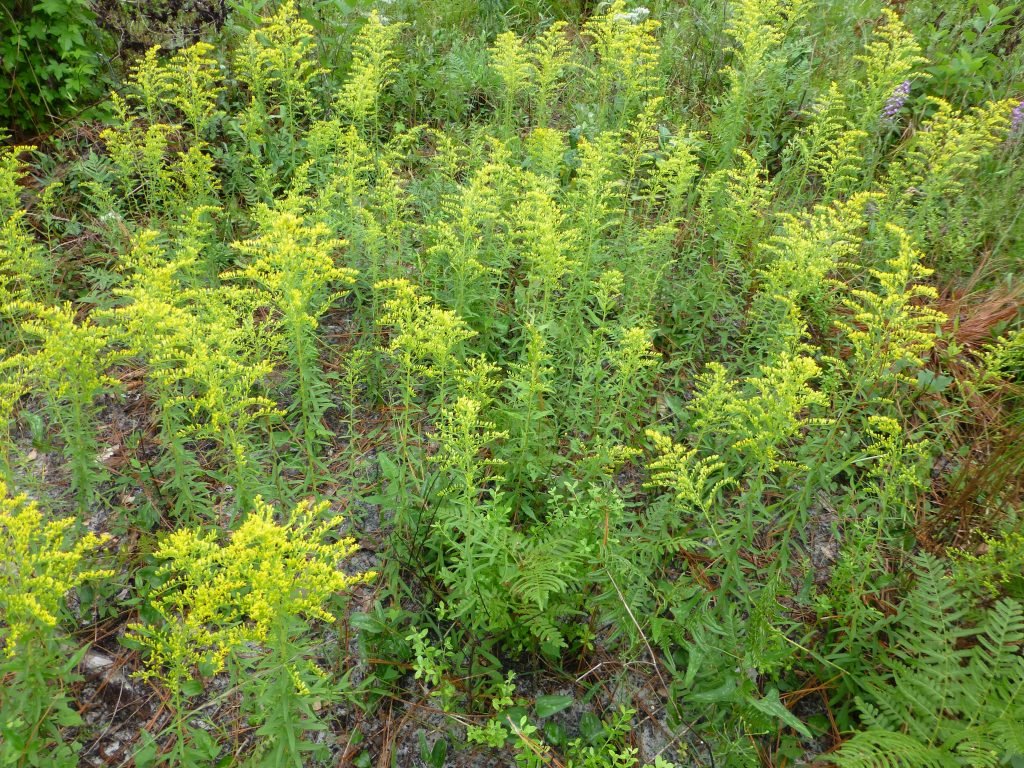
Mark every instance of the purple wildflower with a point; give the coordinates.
(895, 102)
(1017, 118)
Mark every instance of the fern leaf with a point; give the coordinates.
(889, 749)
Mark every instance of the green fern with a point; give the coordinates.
(950, 691)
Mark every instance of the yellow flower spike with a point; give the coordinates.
(373, 68)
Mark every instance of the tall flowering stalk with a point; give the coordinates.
(757, 33)
(895, 102)
(293, 265)
(1017, 120)
(891, 327)
(510, 59)
(373, 70)
(889, 63)
(69, 370)
(625, 75)
(425, 343)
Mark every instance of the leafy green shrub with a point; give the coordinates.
(50, 57)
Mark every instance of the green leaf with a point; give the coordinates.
(433, 755)
(555, 734)
(74, 660)
(933, 383)
(772, 706)
(146, 754)
(722, 693)
(51, 7)
(365, 622)
(546, 706)
(388, 468)
(591, 727)
(68, 717)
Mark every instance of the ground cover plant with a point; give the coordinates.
(531, 384)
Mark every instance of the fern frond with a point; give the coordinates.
(996, 667)
(949, 693)
(891, 749)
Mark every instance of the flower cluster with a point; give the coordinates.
(1017, 119)
(41, 565)
(896, 101)
(638, 14)
(218, 597)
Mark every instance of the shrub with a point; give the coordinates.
(50, 56)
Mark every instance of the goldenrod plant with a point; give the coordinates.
(260, 588)
(193, 79)
(927, 185)
(692, 479)
(624, 75)
(156, 326)
(890, 59)
(889, 330)
(552, 57)
(13, 387)
(278, 67)
(426, 344)
(70, 367)
(796, 289)
(22, 257)
(753, 422)
(457, 263)
(462, 435)
(295, 265)
(510, 59)
(373, 69)
(646, 347)
(732, 208)
(44, 559)
(528, 415)
(545, 246)
(757, 29)
(226, 405)
(151, 174)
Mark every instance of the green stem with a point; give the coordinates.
(80, 445)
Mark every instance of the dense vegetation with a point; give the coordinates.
(544, 385)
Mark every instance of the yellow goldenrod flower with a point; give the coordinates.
(39, 563)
